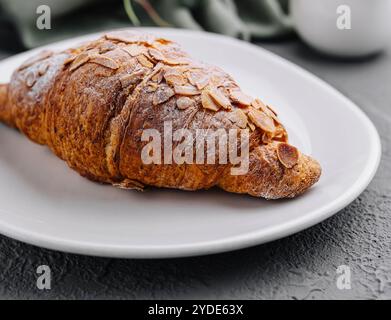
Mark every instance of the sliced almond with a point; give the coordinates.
(258, 104)
(157, 72)
(104, 61)
(152, 87)
(281, 134)
(132, 78)
(193, 76)
(202, 82)
(216, 81)
(30, 79)
(238, 96)
(238, 117)
(184, 103)
(174, 62)
(43, 67)
(287, 154)
(272, 110)
(261, 120)
(158, 76)
(106, 47)
(79, 61)
(207, 101)
(145, 62)
(186, 90)
(122, 36)
(69, 60)
(127, 80)
(198, 79)
(162, 94)
(220, 98)
(134, 50)
(174, 77)
(130, 37)
(173, 59)
(156, 54)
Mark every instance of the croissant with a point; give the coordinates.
(92, 104)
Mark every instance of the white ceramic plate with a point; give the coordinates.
(45, 203)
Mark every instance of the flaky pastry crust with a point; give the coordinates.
(90, 104)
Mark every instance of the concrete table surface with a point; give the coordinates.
(302, 266)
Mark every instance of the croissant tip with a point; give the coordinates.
(305, 174)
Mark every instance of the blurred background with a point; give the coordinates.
(247, 19)
(348, 28)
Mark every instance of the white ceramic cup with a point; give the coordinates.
(324, 25)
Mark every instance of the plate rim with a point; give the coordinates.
(229, 243)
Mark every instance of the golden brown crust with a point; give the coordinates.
(5, 110)
(269, 178)
(91, 104)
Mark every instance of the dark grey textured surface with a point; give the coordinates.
(302, 266)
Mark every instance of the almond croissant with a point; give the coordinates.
(90, 105)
